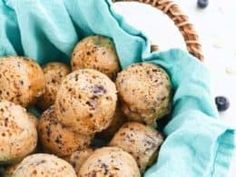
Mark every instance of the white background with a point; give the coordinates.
(216, 27)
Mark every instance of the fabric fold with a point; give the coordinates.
(196, 135)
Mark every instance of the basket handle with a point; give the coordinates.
(181, 21)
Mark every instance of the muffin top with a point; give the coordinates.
(141, 141)
(44, 165)
(109, 161)
(145, 92)
(86, 101)
(18, 135)
(21, 80)
(96, 52)
(54, 73)
(58, 139)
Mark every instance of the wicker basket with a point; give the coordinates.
(181, 21)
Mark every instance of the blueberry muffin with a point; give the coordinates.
(86, 101)
(58, 139)
(21, 80)
(18, 135)
(145, 92)
(118, 120)
(79, 157)
(54, 72)
(141, 141)
(109, 161)
(44, 165)
(96, 52)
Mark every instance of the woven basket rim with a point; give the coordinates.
(181, 21)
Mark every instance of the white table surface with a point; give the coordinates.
(216, 27)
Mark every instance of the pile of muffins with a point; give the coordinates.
(89, 102)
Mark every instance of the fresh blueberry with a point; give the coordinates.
(202, 3)
(222, 103)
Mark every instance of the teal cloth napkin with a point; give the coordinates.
(198, 144)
